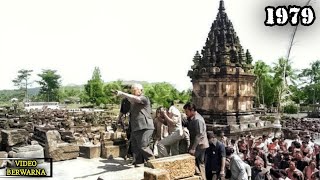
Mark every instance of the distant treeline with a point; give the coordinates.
(159, 93)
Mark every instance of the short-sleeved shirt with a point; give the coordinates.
(214, 155)
(197, 126)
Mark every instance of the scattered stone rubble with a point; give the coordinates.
(60, 135)
(300, 126)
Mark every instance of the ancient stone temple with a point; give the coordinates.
(223, 79)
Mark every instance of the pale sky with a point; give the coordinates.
(144, 40)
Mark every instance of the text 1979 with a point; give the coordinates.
(281, 15)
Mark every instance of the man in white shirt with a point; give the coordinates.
(238, 170)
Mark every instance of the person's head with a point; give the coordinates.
(286, 156)
(277, 174)
(259, 140)
(264, 137)
(184, 121)
(233, 141)
(258, 164)
(221, 133)
(275, 140)
(304, 144)
(211, 137)
(296, 144)
(136, 89)
(307, 138)
(296, 176)
(292, 165)
(190, 109)
(313, 164)
(255, 152)
(158, 112)
(229, 151)
(298, 155)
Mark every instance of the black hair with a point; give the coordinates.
(219, 132)
(210, 134)
(277, 173)
(295, 175)
(184, 121)
(264, 136)
(190, 106)
(296, 144)
(158, 109)
(229, 151)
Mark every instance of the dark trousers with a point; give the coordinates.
(199, 157)
(213, 175)
(140, 145)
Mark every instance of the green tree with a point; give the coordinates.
(185, 96)
(312, 74)
(22, 81)
(70, 93)
(261, 70)
(269, 91)
(94, 88)
(109, 95)
(297, 94)
(284, 74)
(310, 77)
(161, 93)
(50, 83)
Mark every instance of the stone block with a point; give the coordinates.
(252, 125)
(179, 166)
(90, 151)
(247, 118)
(31, 151)
(156, 174)
(260, 124)
(234, 127)
(34, 143)
(3, 162)
(108, 143)
(13, 137)
(231, 120)
(63, 151)
(243, 126)
(110, 152)
(268, 123)
(97, 128)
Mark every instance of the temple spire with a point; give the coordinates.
(221, 7)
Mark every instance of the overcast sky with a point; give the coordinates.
(145, 40)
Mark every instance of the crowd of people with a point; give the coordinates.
(217, 157)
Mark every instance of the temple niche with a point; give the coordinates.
(223, 79)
